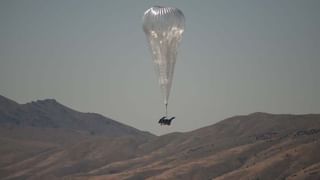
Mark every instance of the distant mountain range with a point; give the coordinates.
(46, 140)
(51, 114)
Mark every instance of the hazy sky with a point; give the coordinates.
(236, 57)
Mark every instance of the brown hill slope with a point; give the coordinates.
(46, 139)
(51, 114)
(255, 146)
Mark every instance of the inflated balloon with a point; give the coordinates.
(163, 27)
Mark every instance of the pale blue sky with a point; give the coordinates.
(236, 57)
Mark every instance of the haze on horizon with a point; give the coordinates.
(236, 57)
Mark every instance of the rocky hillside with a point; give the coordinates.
(51, 114)
(256, 146)
(46, 140)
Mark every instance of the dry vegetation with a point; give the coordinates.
(256, 146)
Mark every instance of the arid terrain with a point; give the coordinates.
(46, 140)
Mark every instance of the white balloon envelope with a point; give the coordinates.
(163, 27)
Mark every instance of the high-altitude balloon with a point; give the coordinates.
(163, 27)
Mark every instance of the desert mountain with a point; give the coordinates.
(51, 114)
(254, 146)
(44, 138)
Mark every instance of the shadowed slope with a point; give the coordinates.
(52, 141)
(51, 114)
(45, 139)
(259, 145)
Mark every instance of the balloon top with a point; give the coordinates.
(163, 10)
(159, 19)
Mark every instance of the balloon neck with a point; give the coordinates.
(166, 109)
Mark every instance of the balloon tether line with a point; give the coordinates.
(166, 109)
